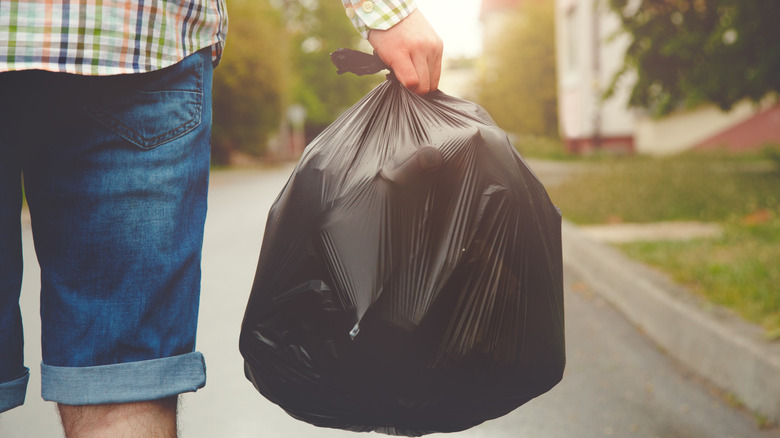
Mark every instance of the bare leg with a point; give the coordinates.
(151, 419)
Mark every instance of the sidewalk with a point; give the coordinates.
(718, 345)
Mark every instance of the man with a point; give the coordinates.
(105, 107)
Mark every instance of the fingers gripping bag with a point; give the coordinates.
(410, 276)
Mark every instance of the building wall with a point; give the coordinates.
(685, 129)
(618, 119)
(588, 56)
(572, 53)
(754, 133)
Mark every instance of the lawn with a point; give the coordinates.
(740, 269)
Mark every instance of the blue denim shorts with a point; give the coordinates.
(115, 172)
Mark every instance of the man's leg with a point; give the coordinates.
(151, 419)
(117, 195)
(13, 374)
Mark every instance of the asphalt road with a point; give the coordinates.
(616, 383)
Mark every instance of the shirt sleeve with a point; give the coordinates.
(377, 14)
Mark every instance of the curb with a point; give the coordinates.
(722, 348)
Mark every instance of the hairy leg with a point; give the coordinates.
(149, 419)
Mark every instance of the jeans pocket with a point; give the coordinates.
(150, 118)
(151, 109)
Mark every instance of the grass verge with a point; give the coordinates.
(534, 146)
(739, 270)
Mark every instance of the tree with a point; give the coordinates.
(250, 82)
(319, 27)
(687, 52)
(518, 86)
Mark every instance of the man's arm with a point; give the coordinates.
(413, 50)
(402, 38)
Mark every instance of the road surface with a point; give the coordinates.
(616, 383)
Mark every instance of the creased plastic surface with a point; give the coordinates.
(410, 276)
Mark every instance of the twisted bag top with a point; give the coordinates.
(410, 277)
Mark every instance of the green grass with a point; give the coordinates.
(532, 146)
(552, 148)
(640, 189)
(740, 269)
(772, 152)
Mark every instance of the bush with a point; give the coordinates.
(772, 152)
(518, 86)
(249, 83)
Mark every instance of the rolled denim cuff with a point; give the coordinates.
(123, 383)
(12, 393)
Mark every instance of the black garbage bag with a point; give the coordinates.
(410, 277)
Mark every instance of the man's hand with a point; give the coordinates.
(413, 50)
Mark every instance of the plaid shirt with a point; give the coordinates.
(106, 37)
(377, 14)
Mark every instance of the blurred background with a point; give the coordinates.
(648, 77)
(276, 88)
(674, 100)
(661, 115)
(655, 127)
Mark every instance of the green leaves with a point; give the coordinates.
(318, 28)
(686, 52)
(250, 81)
(278, 54)
(518, 86)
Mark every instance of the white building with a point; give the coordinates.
(589, 52)
(587, 58)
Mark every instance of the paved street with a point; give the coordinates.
(616, 383)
